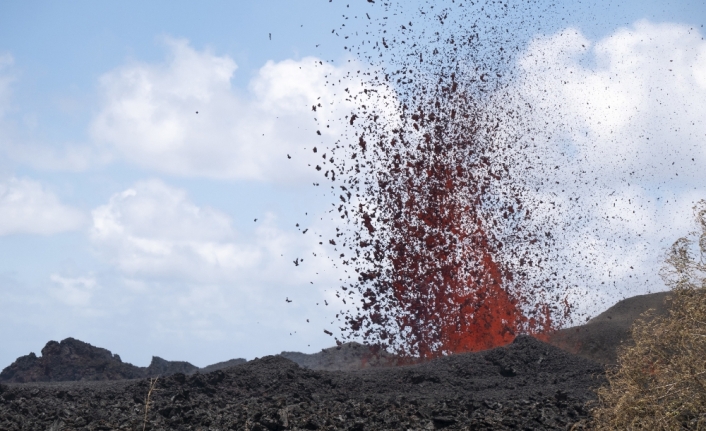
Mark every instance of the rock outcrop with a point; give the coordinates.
(527, 385)
(69, 360)
(75, 360)
(346, 357)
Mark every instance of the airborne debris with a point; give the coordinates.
(445, 243)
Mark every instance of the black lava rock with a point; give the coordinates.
(546, 389)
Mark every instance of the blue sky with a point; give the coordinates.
(128, 220)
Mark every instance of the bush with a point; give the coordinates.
(660, 380)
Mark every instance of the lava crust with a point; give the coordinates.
(525, 385)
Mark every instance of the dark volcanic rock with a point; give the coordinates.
(162, 367)
(600, 338)
(346, 357)
(72, 360)
(528, 385)
(222, 365)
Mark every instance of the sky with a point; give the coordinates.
(132, 222)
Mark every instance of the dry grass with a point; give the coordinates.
(153, 385)
(660, 380)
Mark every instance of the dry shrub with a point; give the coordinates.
(153, 385)
(660, 380)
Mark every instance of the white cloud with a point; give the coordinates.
(191, 275)
(623, 119)
(630, 102)
(154, 231)
(149, 115)
(26, 207)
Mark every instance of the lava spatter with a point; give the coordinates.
(437, 215)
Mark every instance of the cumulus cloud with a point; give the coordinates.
(631, 102)
(623, 119)
(149, 115)
(152, 230)
(196, 277)
(26, 207)
(183, 117)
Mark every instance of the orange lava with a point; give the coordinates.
(446, 280)
(437, 215)
(433, 279)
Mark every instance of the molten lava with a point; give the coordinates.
(437, 217)
(434, 279)
(445, 277)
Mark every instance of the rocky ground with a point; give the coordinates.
(528, 385)
(346, 357)
(74, 360)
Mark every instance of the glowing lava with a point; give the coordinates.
(438, 219)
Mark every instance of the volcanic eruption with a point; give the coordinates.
(437, 219)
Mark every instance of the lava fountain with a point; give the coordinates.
(438, 221)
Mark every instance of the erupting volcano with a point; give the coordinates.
(429, 188)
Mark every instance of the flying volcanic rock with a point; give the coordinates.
(447, 238)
